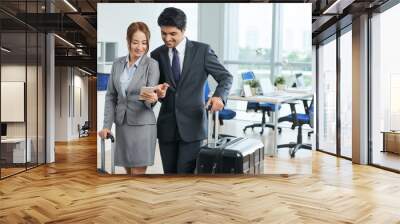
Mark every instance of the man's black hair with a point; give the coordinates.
(172, 17)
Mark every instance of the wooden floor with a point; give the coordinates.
(386, 159)
(71, 191)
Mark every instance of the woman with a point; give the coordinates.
(134, 118)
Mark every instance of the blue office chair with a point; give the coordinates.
(298, 120)
(224, 114)
(266, 108)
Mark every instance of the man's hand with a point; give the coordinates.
(215, 103)
(161, 90)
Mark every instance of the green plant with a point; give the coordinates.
(253, 83)
(280, 80)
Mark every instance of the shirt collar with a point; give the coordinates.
(181, 46)
(136, 63)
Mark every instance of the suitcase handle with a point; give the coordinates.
(103, 154)
(111, 137)
(212, 129)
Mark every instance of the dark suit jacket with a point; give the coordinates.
(183, 105)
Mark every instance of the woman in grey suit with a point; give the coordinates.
(132, 113)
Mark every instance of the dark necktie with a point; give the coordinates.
(176, 66)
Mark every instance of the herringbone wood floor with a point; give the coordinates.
(71, 191)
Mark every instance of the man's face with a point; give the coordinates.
(171, 36)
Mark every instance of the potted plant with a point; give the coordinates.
(254, 85)
(280, 83)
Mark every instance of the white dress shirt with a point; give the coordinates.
(181, 52)
(128, 73)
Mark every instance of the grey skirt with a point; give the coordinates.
(135, 145)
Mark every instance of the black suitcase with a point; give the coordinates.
(229, 155)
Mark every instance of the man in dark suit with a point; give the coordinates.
(184, 68)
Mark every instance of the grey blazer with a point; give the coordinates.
(182, 109)
(117, 105)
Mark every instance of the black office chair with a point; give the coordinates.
(265, 108)
(84, 130)
(298, 120)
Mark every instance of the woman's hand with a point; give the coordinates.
(104, 132)
(149, 97)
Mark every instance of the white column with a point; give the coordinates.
(50, 99)
(360, 90)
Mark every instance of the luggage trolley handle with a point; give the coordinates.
(103, 154)
(111, 137)
(212, 129)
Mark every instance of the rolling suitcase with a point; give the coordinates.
(102, 168)
(229, 155)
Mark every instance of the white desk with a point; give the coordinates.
(276, 98)
(18, 149)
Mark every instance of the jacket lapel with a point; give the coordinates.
(119, 69)
(189, 56)
(139, 73)
(167, 67)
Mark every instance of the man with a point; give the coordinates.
(184, 68)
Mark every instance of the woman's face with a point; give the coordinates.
(138, 44)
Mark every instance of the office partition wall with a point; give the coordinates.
(14, 147)
(22, 77)
(334, 134)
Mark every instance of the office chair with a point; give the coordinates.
(84, 130)
(298, 120)
(265, 108)
(224, 114)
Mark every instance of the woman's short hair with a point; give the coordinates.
(138, 26)
(172, 17)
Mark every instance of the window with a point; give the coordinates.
(346, 94)
(250, 49)
(296, 43)
(278, 44)
(385, 85)
(327, 97)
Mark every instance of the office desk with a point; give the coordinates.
(391, 141)
(13, 150)
(276, 98)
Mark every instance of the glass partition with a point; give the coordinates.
(385, 89)
(22, 88)
(346, 94)
(327, 97)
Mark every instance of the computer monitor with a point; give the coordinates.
(266, 86)
(3, 129)
(299, 80)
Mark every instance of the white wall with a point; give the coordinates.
(68, 83)
(15, 73)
